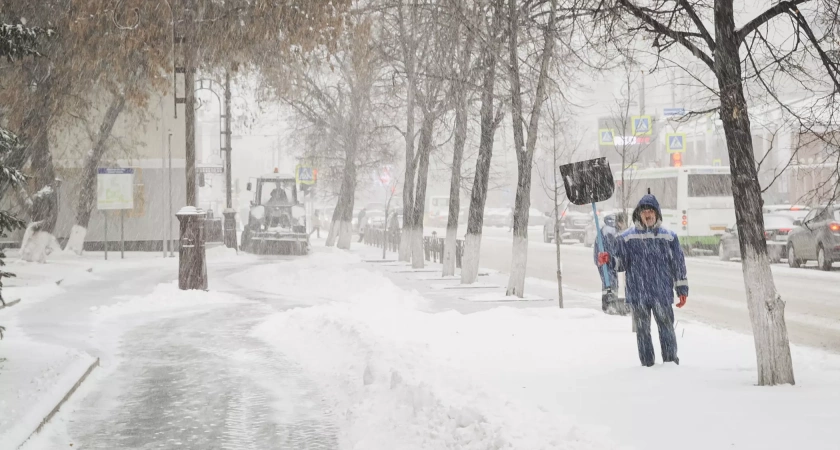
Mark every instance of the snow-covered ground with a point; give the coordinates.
(331, 351)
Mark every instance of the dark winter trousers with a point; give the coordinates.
(664, 316)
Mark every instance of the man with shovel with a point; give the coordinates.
(654, 264)
(613, 225)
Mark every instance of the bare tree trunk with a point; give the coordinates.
(475, 223)
(557, 234)
(455, 181)
(524, 153)
(424, 150)
(335, 223)
(767, 310)
(38, 241)
(409, 49)
(348, 187)
(87, 193)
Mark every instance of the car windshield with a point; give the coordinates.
(277, 192)
(775, 222)
(837, 214)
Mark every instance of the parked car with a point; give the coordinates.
(572, 226)
(496, 217)
(777, 228)
(536, 218)
(816, 238)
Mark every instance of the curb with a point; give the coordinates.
(64, 399)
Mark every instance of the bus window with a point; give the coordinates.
(709, 185)
(665, 190)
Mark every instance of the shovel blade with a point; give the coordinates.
(589, 181)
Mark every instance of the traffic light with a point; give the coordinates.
(676, 159)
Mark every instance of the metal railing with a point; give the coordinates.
(432, 245)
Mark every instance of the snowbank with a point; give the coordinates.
(533, 378)
(33, 380)
(165, 297)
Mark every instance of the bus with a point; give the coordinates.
(696, 201)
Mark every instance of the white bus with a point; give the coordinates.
(696, 201)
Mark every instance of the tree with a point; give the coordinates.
(628, 151)
(525, 150)
(491, 35)
(461, 92)
(332, 93)
(16, 43)
(706, 32)
(562, 149)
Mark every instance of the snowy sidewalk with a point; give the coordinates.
(408, 371)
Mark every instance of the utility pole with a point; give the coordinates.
(229, 212)
(642, 97)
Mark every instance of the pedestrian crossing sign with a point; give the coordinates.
(675, 142)
(642, 126)
(606, 136)
(305, 175)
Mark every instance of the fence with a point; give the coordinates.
(432, 245)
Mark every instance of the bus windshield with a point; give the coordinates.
(709, 185)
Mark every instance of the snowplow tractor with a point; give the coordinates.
(276, 221)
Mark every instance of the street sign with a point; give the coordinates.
(669, 112)
(114, 189)
(305, 175)
(210, 169)
(675, 142)
(642, 126)
(605, 136)
(717, 162)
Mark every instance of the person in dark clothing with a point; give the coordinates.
(613, 225)
(361, 221)
(654, 264)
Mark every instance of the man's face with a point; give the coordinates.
(648, 217)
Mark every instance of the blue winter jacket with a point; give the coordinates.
(652, 260)
(609, 234)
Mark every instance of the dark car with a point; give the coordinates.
(777, 228)
(816, 238)
(572, 226)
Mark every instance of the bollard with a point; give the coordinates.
(192, 263)
(230, 228)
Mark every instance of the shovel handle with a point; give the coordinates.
(600, 240)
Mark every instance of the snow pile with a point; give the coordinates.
(387, 366)
(327, 275)
(76, 242)
(165, 297)
(535, 378)
(37, 245)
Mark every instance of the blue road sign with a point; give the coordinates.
(642, 126)
(675, 142)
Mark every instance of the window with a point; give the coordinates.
(664, 189)
(774, 222)
(283, 192)
(709, 185)
(823, 214)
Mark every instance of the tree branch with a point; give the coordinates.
(671, 33)
(764, 17)
(697, 21)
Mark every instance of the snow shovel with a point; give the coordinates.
(591, 181)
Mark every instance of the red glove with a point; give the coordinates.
(603, 258)
(683, 299)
